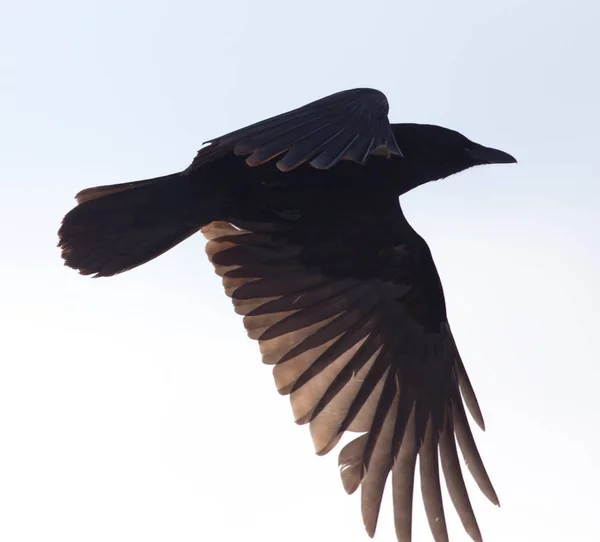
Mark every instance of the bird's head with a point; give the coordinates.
(432, 152)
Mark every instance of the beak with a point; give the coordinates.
(487, 155)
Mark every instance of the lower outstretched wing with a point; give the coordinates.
(355, 329)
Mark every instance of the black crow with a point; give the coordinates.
(304, 225)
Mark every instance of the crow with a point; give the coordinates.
(303, 223)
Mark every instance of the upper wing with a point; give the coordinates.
(348, 125)
(354, 324)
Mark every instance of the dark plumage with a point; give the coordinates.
(304, 225)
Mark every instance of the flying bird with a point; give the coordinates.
(303, 222)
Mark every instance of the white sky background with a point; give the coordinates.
(136, 408)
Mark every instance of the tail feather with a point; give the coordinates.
(118, 227)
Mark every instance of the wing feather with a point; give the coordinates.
(430, 484)
(456, 484)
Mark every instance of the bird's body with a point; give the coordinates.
(304, 224)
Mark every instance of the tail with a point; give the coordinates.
(118, 227)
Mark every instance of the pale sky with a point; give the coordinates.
(135, 408)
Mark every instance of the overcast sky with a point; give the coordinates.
(135, 408)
